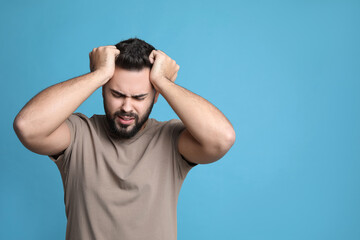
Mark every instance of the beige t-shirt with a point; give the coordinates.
(121, 189)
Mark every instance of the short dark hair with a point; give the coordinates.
(134, 54)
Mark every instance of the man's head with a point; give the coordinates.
(129, 95)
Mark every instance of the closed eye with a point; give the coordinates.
(139, 98)
(118, 94)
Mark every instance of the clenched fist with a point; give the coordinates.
(103, 59)
(164, 68)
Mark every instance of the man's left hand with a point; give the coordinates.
(164, 68)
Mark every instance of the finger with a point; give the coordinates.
(174, 77)
(164, 54)
(110, 46)
(152, 56)
(117, 55)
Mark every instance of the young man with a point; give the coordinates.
(122, 172)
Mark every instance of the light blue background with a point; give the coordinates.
(286, 74)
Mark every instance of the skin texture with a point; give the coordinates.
(208, 135)
(41, 126)
(128, 93)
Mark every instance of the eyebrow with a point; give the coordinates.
(122, 94)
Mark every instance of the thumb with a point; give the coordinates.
(174, 77)
(117, 53)
(152, 56)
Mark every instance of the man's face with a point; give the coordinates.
(128, 101)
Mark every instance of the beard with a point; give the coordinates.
(125, 131)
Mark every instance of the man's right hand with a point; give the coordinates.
(41, 126)
(102, 59)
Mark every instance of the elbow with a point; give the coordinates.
(18, 125)
(223, 145)
(228, 140)
(20, 128)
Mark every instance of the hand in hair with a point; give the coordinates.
(164, 68)
(102, 59)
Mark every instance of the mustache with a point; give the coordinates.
(125, 114)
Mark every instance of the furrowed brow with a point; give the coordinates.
(117, 92)
(122, 94)
(140, 95)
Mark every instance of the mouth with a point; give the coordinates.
(126, 120)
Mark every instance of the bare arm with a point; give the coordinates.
(208, 134)
(41, 126)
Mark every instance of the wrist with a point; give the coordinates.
(100, 77)
(161, 84)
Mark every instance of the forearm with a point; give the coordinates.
(45, 112)
(204, 121)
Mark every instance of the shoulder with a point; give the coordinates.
(167, 126)
(79, 120)
(76, 120)
(168, 123)
(80, 117)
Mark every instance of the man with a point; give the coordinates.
(122, 172)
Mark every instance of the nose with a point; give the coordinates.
(126, 104)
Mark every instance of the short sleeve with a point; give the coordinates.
(74, 123)
(184, 165)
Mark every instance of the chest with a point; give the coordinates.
(122, 171)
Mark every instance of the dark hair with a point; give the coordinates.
(134, 54)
